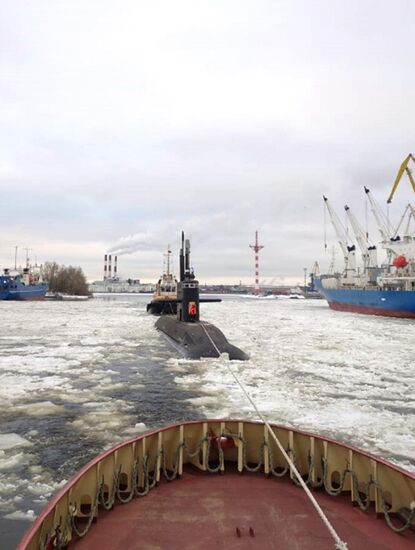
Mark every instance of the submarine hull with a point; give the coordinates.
(198, 339)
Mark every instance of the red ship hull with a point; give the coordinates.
(240, 509)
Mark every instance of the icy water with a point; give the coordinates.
(76, 378)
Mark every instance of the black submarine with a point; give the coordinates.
(187, 333)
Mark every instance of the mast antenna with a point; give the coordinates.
(167, 256)
(256, 248)
(27, 256)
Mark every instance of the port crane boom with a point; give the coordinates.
(348, 251)
(391, 241)
(402, 169)
(384, 226)
(368, 251)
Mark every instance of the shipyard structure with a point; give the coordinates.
(113, 284)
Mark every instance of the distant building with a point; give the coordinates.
(130, 286)
(111, 283)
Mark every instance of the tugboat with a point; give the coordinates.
(191, 506)
(164, 300)
(192, 337)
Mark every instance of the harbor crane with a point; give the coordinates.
(402, 170)
(349, 252)
(391, 240)
(384, 226)
(315, 270)
(314, 273)
(369, 252)
(409, 216)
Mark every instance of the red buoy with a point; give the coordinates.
(400, 261)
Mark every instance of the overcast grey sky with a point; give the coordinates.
(124, 122)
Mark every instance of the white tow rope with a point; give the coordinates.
(339, 544)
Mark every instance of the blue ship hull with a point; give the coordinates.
(12, 288)
(389, 303)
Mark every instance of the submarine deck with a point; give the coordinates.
(198, 339)
(202, 511)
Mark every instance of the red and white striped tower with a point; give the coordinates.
(256, 248)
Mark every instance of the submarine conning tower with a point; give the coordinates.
(187, 287)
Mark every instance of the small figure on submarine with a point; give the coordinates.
(192, 337)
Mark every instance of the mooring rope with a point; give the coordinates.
(339, 544)
(210, 338)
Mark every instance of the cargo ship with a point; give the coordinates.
(373, 300)
(387, 289)
(27, 285)
(230, 484)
